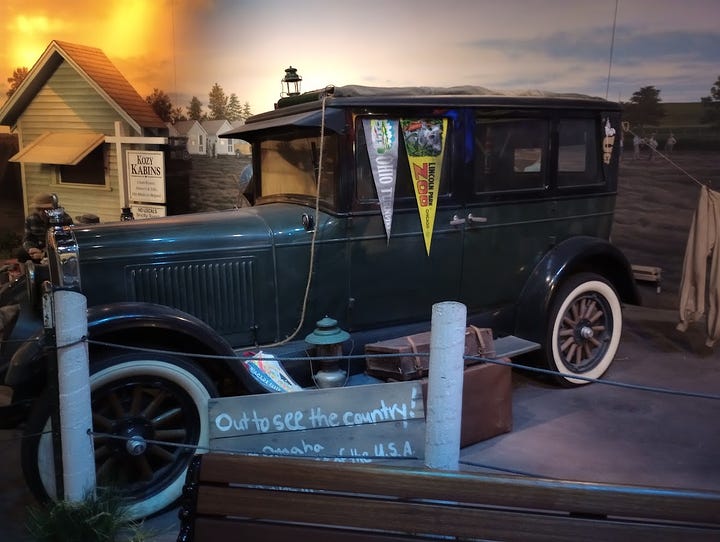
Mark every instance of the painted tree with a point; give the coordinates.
(177, 114)
(217, 103)
(711, 105)
(233, 111)
(644, 108)
(18, 76)
(246, 112)
(161, 104)
(194, 110)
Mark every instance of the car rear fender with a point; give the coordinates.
(574, 255)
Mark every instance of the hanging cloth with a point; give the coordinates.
(697, 285)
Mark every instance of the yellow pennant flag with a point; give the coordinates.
(425, 146)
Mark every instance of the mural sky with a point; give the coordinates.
(185, 46)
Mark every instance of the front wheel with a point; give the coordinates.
(139, 399)
(584, 330)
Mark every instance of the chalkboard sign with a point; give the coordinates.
(355, 424)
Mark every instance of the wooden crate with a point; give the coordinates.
(647, 273)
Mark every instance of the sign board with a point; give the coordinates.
(356, 424)
(148, 211)
(146, 176)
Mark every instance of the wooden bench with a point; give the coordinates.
(253, 498)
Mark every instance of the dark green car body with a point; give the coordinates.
(504, 238)
(525, 194)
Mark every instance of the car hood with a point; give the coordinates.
(218, 233)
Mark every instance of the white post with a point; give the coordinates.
(445, 383)
(74, 395)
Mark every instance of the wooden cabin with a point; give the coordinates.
(69, 114)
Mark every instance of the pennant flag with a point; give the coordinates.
(425, 147)
(381, 139)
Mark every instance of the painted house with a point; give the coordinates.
(218, 146)
(70, 115)
(194, 132)
(242, 147)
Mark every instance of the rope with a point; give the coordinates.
(310, 359)
(513, 365)
(311, 265)
(668, 159)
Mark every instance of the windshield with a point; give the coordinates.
(289, 166)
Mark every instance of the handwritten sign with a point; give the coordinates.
(146, 176)
(354, 424)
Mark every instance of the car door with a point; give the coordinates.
(395, 279)
(509, 214)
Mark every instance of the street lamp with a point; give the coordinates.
(290, 84)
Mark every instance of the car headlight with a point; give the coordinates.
(62, 252)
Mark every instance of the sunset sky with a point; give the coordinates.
(185, 46)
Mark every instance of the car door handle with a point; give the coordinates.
(472, 218)
(457, 221)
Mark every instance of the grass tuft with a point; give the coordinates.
(101, 518)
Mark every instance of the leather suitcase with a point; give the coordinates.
(478, 343)
(486, 402)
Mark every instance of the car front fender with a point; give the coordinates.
(138, 325)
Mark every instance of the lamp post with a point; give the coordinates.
(290, 84)
(327, 338)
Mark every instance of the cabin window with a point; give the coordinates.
(89, 171)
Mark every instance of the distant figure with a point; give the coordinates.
(637, 140)
(670, 143)
(652, 146)
(36, 226)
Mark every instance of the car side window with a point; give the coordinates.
(404, 191)
(510, 154)
(290, 166)
(578, 163)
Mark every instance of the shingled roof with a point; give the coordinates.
(97, 69)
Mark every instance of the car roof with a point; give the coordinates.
(307, 109)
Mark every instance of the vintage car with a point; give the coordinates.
(369, 205)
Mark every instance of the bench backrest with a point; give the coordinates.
(273, 498)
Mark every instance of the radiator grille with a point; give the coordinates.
(221, 294)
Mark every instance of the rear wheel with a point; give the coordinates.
(584, 329)
(136, 399)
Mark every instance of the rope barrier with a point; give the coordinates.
(220, 449)
(514, 365)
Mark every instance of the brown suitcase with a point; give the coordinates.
(478, 343)
(486, 402)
